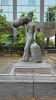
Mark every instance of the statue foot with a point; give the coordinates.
(23, 60)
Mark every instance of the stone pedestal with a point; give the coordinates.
(28, 79)
(36, 53)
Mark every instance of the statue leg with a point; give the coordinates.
(25, 57)
(14, 33)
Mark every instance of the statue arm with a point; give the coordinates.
(35, 32)
(20, 22)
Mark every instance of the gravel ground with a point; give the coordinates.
(4, 59)
(51, 56)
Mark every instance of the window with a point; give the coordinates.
(4, 2)
(18, 8)
(24, 2)
(10, 9)
(10, 16)
(31, 2)
(24, 9)
(19, 2)
(7, 6)
(31, 8)
(22, 6)
(18, 15)
(0, 2)
(28, 5)
(37, 16)
(48, 4)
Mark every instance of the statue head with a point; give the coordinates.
(30, 15)
(38, 29)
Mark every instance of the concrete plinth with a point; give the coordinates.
(27, 79)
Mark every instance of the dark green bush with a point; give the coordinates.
(50, 43)
(4, 24)
(21, 38)
(39, 38)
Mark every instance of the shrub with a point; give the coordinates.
(4, 24)
(20, 38)
(39, 38)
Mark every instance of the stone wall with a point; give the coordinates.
(24, 90)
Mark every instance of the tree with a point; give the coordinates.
(3, 29)
(51, 13)
(3, 22)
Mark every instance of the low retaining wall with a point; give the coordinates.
(24, 90)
